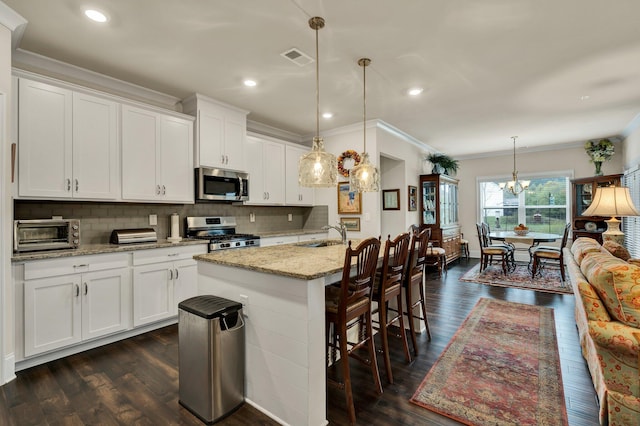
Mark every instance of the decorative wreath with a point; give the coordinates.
(347, 154)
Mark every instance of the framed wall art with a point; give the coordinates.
(413, 198)
(349, 202)
(351, 223)
(390, 199)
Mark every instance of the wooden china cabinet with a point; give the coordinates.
(439, 211)
(582, 191)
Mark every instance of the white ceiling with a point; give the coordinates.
(491, 69)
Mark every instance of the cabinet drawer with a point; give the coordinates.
(145, 257)
(72, 265)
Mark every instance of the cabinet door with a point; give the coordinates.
(210, 138)
(255, 167)
(52, 313)
(105, 302)
(273, 158)
(95, 148)
(185, 281)
(152, 293)
(296, 195)
(139, 154)
(235, 129)
(45, 140)
(176, 159)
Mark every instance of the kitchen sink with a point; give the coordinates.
(322, 243)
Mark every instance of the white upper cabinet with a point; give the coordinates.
(265, 164)
(68, 144)
(157, 156)
(220, 133)
(296, 195)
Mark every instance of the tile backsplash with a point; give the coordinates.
(97, 220)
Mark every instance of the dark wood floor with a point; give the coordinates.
(136, 381)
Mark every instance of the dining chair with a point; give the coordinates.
(415, 280)
(348, 305)
(487, 251)
(545, 255)
(486, 232)
(388, 287)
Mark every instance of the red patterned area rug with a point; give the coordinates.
(548, 281)
(500, 368)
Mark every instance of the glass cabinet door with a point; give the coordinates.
(428, 203)
(584, 196)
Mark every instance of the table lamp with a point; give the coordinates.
(612, 201)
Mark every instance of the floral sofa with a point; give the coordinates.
(607, 291)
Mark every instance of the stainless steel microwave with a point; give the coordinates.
(45, 234)
(221, 185)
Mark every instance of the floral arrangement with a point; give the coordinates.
(599, 151)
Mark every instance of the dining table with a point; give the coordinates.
(531, 239)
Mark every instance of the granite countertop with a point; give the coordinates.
(295, 260)
(88, 249)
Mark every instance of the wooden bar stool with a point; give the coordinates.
(414, 280)
(388, 286)
(464, 247)
(348, 305)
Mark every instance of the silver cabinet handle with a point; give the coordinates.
(76, 185)
(77, 290)
(68, 184)
(176, 273)
(86, 289)
(164, 190)
(157, 189)
(226, 159)
(170, 274)
(173, 254)
(222, 159)
(264, 195)
(83, 265)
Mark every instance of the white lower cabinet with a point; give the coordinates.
(161, 279)
(67, 309)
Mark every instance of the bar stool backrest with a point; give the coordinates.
(395, 258)
(360, 285)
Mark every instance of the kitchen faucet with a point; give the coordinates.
(342, 229)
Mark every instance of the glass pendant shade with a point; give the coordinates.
(515, 186)
(318, 168)
(364, 177)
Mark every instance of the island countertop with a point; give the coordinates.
(296, 260)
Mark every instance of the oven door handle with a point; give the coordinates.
(241, 188)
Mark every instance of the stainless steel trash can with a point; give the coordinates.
(211, 353)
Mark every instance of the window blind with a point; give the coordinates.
(631, 225)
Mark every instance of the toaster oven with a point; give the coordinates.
(45, 234)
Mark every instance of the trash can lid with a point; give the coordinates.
(209, 306)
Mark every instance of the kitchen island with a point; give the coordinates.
(282, 290)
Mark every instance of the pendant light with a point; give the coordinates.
(515, 186)
(318, 168)
(364, 177)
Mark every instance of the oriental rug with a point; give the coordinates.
(548, 280)
(500, 368)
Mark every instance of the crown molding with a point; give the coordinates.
(40, 64)
(274, 132)
(14, 22)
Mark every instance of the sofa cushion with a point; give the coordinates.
(582, 246)
(617, 250)
(617, 283)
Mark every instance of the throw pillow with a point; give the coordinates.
(618, 285)
(582, 246)
(617, 250)
(634, 261)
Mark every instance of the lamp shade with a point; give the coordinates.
(611, 201)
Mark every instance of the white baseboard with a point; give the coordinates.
(8, 368)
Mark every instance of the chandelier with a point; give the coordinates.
(364, 177)
(317, 168)
(515, 186)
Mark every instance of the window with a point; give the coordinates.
(543, 207)
(631, 225)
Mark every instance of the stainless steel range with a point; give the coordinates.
(220, 231)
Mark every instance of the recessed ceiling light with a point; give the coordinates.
(96, 15)
(415, 91)
(327, 115)
(250, 83)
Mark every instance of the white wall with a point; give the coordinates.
(572, 159)
(392, 176)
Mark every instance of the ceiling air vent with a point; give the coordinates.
(297, 57)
